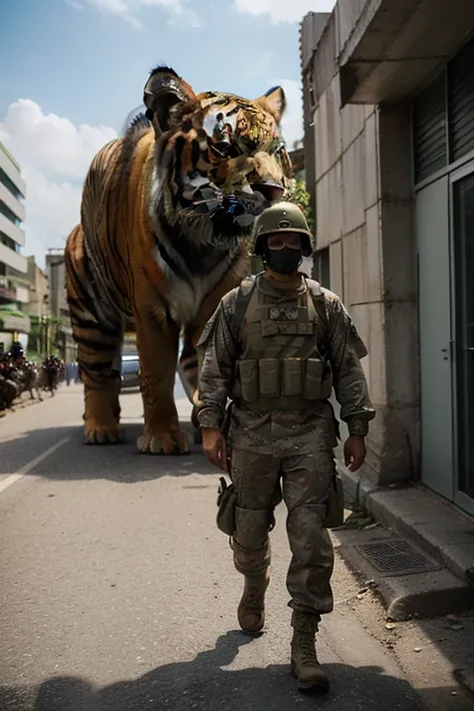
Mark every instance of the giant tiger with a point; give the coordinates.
(165, 216)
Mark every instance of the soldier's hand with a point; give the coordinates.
(354, 452)
(214, 445)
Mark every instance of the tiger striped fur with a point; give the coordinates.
(158, 245)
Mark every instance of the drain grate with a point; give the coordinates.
(396, 557)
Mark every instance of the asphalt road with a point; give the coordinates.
(117, 591)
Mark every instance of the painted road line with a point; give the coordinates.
(12, 478)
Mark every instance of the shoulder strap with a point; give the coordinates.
(244, 295)
(319, 302)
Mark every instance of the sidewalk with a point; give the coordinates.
(416, 547)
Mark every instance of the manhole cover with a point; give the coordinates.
(396, 557)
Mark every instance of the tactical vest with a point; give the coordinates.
(283, 364)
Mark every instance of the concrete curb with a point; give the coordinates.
(438, 530)
(445, 533)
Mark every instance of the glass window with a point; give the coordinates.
(8, 242)
(10, 185)
(4, 210)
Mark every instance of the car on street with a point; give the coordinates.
(130, 371)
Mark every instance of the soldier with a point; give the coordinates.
(275, 347)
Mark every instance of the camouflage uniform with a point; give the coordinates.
(282, 447)
(294, 445)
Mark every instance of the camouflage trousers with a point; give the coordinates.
(261, 481)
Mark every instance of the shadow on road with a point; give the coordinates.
(76, 461)
(453, 639)
(203, 684)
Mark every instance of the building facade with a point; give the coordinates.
(56, 274)
(38, 305)
(388, 90)
(58, 305)
(14, 293)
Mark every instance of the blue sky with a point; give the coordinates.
(74, 69)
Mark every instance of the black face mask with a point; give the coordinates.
(283, 261)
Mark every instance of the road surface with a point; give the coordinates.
(118, 591)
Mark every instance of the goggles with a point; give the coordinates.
(284, 239)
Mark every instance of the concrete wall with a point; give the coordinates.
(22, 295)
(396, 435)
(348, 13)
(364, 214)
(39, 289)
(56, 270)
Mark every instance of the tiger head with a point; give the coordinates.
(214, 144)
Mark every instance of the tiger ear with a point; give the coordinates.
(163, 90)
(274, 101)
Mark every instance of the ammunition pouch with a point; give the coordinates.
(253, 523)
(226, 503)
(334, 503)
(283, 384)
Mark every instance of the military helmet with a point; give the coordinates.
(281, 217)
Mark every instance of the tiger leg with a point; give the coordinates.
(102, 410)
(189, 374)
(157, 344)
(188, 362)
(98, 350)
(100, 374)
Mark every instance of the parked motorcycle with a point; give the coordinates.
(9, 387)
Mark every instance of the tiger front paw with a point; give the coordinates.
(95, 433)
(163, 443)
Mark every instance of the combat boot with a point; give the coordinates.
(305, 666)
(251, 610)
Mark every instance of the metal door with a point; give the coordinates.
(434, 283)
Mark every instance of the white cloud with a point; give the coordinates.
(127, 9)
(292, 121)
(284, 10)
(54, 155)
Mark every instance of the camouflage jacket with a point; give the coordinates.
(220, 347)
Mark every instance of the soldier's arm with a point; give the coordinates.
(217, 354)
(349, 381)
